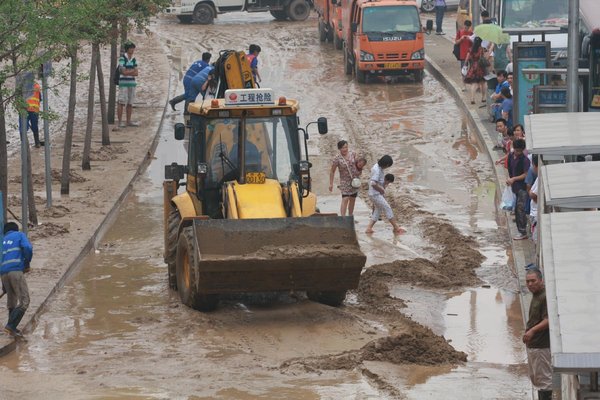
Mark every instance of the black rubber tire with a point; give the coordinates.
(337, 41)
(418, 75)
(185, 19)
(428, 5)
(298, 10)
(333, 298)
(204, 14)
(322, 31)
(361, 76)
(279, 15)
(347, 65)
(188, 273)
(171, 248)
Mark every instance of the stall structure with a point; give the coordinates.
(569, 248)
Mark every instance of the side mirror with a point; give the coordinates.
(322, 125)
(179, 131)
(354, 27)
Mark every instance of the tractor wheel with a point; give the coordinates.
(361, 76)
(298, 10)
(418, 75)
(203, 14)
(171, 247)
(347, 65)
(334, 298)
(322, 32)
(280, 15)
(337, 41)
(188, 273)
(185, 19)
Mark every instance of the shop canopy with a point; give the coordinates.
(561, 134)
(572, 185)
(570, 257)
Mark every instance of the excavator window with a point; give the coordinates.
(271, 147)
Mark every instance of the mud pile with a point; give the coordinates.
(104, 153)
(46, 230)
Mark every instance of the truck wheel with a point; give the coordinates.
(428, 5)
(188, 272)
(361, 76)
(203, 14)
(171, 247)
(347, 65)
(185, 19)
(280, 15)
(337, 41)
(298, 10)
(322, 32)
(334, 298)
(418, 75)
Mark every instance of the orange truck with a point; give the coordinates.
(330, 21)
(381, 38)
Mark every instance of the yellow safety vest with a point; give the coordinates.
(33, 103)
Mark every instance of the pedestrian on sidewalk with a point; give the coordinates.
(518, 165)
(376, 194)
(440, 9)
(16, 256)
(531, 182)
(476, 70)
(33, 114)
(463, 39)
(128, 70)
(349, 166)
(496, 107)
(502, 137)
(196, 67)
(537, 336)
(507, 106)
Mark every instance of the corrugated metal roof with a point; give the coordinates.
(563, 133)
(571, 263)
(572, 185)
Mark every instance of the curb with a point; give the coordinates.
(98, 233)
(518, 257)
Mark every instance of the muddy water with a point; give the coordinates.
(116, 331)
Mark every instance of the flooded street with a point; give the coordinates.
(116, 331)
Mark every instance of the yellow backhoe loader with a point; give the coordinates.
(247, 220)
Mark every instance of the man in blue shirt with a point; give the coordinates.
(507, 106)
(16, 256)
(192, 71)
(496, 107)
(200, 83)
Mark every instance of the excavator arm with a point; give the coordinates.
(232, 71)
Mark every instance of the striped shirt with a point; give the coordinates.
(126, 63)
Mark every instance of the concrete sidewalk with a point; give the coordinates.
(442, 64)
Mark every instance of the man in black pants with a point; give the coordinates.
(518, 166)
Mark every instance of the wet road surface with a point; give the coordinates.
(116, 331)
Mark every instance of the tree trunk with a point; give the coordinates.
(87, 142)
(31, 203)
(101, 92)
(112, 88)
(66, 162)
(3, 157)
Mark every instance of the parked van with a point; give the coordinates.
(382, 37)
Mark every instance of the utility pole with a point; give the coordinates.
(476, 13)
(573, 57)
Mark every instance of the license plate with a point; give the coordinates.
(392, 65)
(256, 177)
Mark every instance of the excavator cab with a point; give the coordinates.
(248, 220)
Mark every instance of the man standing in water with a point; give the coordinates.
(537, 336)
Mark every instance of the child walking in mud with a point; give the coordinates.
(377, 185)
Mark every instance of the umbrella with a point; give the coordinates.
(491, 33)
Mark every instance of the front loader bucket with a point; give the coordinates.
(319, 253)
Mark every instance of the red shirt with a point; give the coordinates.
(465, 45)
